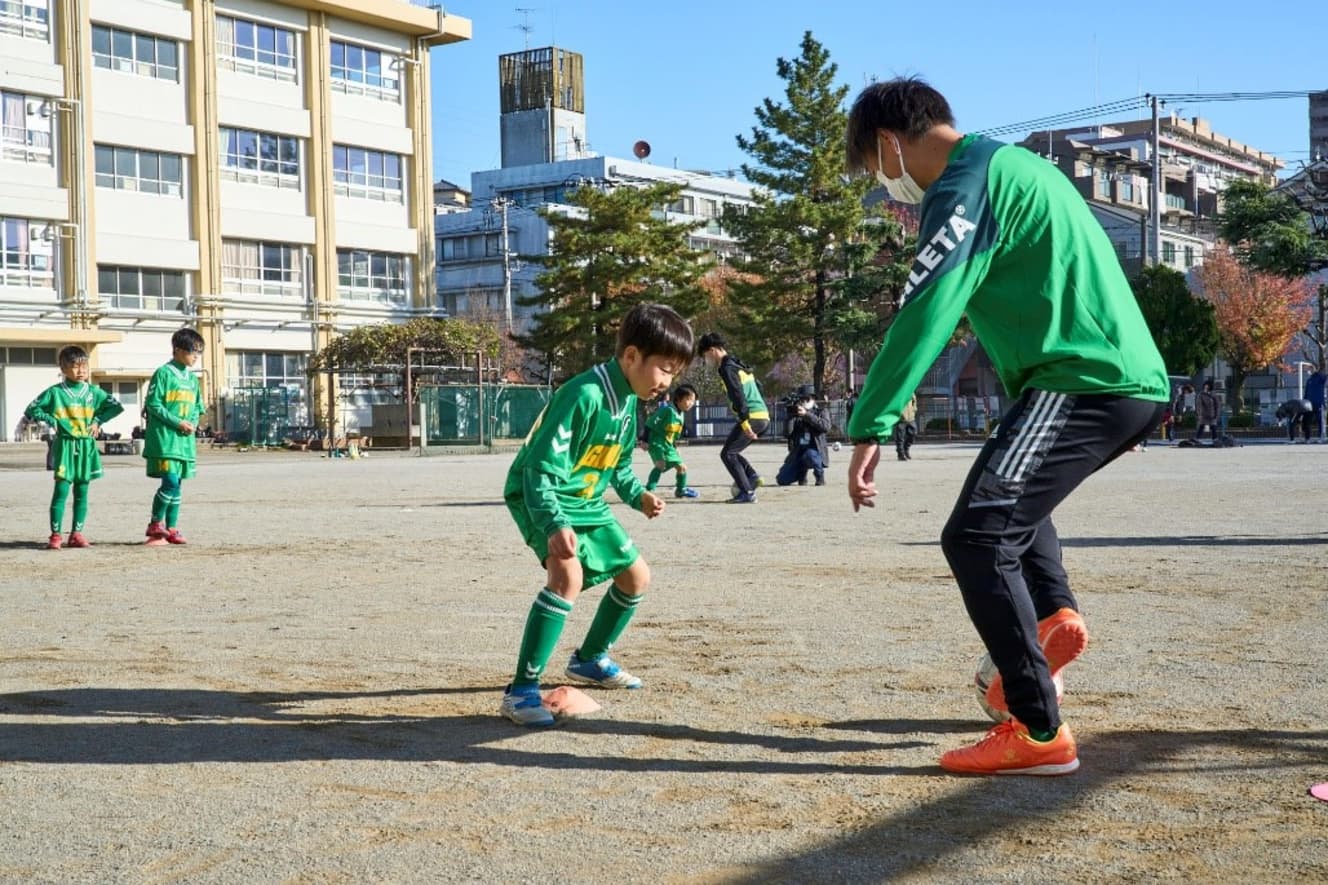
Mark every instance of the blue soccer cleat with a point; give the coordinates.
(688, 492)
(602, 672)
(523, 705)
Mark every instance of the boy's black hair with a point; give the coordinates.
(908, 106)
(656, 330)
(71, 354)
(187, 339)
(683, 390)
(709, 340)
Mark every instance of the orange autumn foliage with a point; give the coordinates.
(1258, 314)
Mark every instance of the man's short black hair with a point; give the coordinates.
(187, 339)
(681, 391)
(656, 330)
(709, 340)
(905, 105)
(71, 354)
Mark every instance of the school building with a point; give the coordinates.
(259, 170)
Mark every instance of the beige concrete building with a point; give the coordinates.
(1110, 163)
(257, 169)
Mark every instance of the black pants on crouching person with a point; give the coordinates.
(1000, 541)
(743, 473)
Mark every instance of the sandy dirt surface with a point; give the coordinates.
(308, 692)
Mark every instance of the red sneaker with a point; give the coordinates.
(54, 542)
(173, 536)
(76, 539)
(156, 531)
(1009, 749)
(1063, 638)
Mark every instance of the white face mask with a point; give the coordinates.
(902, 189)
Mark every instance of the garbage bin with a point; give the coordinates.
(137, 446)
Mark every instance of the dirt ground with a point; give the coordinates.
(308, 692)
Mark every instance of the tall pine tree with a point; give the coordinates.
(615, 250)
(803, 236)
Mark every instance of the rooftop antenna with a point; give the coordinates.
(525, 27)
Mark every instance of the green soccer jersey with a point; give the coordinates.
(581, 444)
(1006, 239)
(72, 409)
(174, 396)
(664, 427)
(744, 393)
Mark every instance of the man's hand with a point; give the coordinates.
(862, 475)
(652, 505)
(747, 430)
(186, 427)
(94, 430)
(562, 544)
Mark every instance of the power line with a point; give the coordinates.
(1138, 102)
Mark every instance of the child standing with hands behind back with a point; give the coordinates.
(581, 444)
(173, 404)
(75, 410)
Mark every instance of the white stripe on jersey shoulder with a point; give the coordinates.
(602, 372)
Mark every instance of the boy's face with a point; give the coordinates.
(76, 371)
(649, 376)
(187, 357)
(711, 357)
(685, 402)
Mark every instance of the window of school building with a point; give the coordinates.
(131, 52)
(367, 174)
(25, 136)
(147, 172)
(372, 276)
(27, 250)
(26, 18)
(265, 158)
(360, 70)
(249, 267)
(256, 48)
(141, 288)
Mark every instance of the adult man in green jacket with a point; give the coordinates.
(1006, 240)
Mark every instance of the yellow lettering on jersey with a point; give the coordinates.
(599, 457)
(179, 396)
(588, 489)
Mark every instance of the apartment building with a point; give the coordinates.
(1111, 164)
(257, 169)
(484, 266)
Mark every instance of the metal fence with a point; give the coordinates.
(263, 416)
(470, 414)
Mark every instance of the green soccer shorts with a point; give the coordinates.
(605, 551)
(669, 457)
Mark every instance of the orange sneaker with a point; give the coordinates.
(1008, 749)
(76, 539)
(55, 542)
(1063, 637)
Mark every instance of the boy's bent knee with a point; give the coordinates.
(635, 580)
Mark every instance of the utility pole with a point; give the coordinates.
(1159, 186)
(501, 203)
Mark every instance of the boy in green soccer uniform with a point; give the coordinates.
(75, 410)
(581, 444)
(1006, 240)
(664, 427)
(173, 405)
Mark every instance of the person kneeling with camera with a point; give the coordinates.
(807, 450)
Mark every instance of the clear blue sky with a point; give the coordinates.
(686, 75)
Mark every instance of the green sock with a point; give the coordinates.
(611, 619)
(544, 625)
(159, 504)
(80, 505)
(653, 479)
(173, 514)
(680, 481)
(1043, 736)
(59, 495)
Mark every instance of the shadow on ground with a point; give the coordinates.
(171, 726)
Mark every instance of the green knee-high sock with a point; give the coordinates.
(653, 479)
(80, 505)
(173, 508)
(680, 481)
(544, 625)
(611, 618)
(59, 495)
